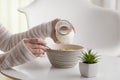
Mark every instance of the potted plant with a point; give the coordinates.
(88, 65)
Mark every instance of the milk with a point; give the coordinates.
(64, 32)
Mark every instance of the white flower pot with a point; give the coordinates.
(88, 70)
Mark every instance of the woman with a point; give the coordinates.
(23, 47)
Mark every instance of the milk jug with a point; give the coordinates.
(64, 32)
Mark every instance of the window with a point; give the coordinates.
(13, 20)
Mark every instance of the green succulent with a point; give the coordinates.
(89, 57)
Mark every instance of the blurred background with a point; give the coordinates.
(16, 21)
(13, 20)
(109, 4)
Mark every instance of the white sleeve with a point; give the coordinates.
(7, 40)
(19, 54)
(16, 52)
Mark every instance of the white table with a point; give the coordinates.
(41, 69)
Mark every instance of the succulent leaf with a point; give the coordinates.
(89, 57)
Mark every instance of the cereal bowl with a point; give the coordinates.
(64, 55)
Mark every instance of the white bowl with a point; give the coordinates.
(64, 55)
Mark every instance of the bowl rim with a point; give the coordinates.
(66, 45)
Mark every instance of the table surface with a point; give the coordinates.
(41, 69)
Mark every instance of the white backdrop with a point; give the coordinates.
(89, 20)
(97, 28)
(16, 22)
(109, 4)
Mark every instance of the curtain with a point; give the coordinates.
(13, 20)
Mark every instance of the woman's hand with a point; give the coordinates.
(53, 35)
(36, 46)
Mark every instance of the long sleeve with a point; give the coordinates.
(16, 52)
(7, 40)
(19, 54)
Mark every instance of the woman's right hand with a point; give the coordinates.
(36, 45)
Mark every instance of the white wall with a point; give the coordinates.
(118, 5)
(111, 4)
(98, 2)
